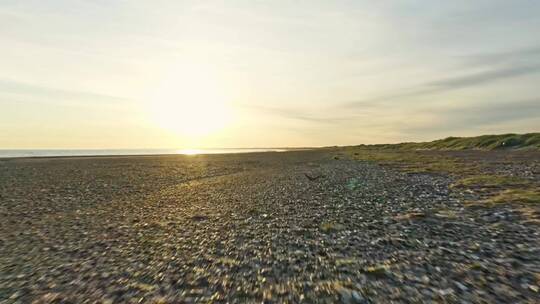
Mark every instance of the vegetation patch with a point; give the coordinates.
(346, 261)
(353, 183)
(416, 161)
(227, 261)
(490, 181)
(529, 141)
(528, 196)
(470, 174)
(410, 216)
(329, 227)
(142, 286)
(377, 271)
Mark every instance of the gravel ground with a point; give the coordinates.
(263, 227)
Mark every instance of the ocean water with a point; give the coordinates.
(4, 153)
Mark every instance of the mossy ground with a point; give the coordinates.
(491, 181)
(530, 195)
(469, 174)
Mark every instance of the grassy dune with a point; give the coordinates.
(529, 141)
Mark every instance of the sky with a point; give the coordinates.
(203, 74)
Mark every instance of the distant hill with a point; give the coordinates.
(529, 141)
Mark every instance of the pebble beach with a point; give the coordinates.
(288, 227)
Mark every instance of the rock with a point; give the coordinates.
(345, 296)
(199, 218)
(348, 296)
(461, 286)
(445, 292)
(358, 298)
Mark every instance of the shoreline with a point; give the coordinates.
(251, 151)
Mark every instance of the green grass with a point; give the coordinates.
(490, 181)
(529, 141)
(528, 196)
(415, 161)
(470, 175)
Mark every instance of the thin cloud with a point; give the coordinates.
(300, 115)
(459, 118)
(480, 78)
(526, 55)
(22, 88)
(503, 65)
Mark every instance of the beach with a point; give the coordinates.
(274, 227)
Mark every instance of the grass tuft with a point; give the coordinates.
(329, 227)
(490, 181)
(528, 196)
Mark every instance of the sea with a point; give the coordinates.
(4, 153)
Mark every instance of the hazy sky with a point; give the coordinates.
(185, 74)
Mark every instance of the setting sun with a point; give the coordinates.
(190, 102)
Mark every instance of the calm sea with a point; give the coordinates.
(44, 153)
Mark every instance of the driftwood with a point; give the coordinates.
(312, 178)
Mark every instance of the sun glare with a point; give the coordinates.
(190, 104)
(189, 151)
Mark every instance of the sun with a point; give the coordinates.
(191, 114)
(190, 105)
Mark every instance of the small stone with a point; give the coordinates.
(445, 292)
(358, 298)
(16, 295)
(346, 296)
(461, 286)
(199, 218)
